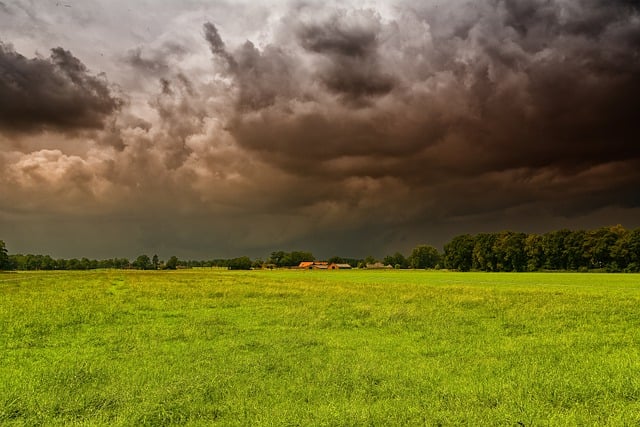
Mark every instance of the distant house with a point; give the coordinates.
(378, 265)
(334, 266)
(306, 264)
(313, 265)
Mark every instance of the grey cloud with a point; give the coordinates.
(58, 92)
(217, 46)
(262, 76)
(350, 43)
(154, 62)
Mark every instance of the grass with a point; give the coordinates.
(202, 347)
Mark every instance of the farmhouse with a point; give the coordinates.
(314, 265)
(323, 265)
(334, 266)
(378, 265)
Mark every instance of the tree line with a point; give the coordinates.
(611, 249)
(142, 262)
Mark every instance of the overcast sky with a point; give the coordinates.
(217, 129)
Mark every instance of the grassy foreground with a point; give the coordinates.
(381, 348)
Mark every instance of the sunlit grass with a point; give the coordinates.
(319, 348)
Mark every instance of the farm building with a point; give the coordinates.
(323, 265)
(314, 265)
(334, 266)
(378, 265)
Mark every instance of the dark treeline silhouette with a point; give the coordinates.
(612, 249)
(142, 262)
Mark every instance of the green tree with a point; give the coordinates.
(483, 255)
(599, 244)
(424, 256)
(397, 260)
(5, 262)
(277, 258)
(172, 263)
(296, 257)
(155, 261)
(553, 245)
(458, 253)
(509, 251)
(534, 252)
(143, 262)
(633, 247)
(241, 263)
(369, 260)
(574, 254)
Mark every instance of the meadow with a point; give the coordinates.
(273, 348)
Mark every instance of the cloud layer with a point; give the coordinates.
(346, 128)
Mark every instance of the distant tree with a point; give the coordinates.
(509, 251)
(5, 263)
(458, 254)
(574, 254)
(483, 254)
(296, 257)
(257, 263)
(633, 247)
(397, 260)
(155, 262)
(241, 263)
(424, 256)
(599, 245)
(143, 262)
(369, 260)
(121, 263)
(172, 263)
(277, 258)
(534, 252)
(553, 244)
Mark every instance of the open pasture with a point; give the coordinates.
(200, 347)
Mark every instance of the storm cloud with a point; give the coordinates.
(363, 128)
(56, 92)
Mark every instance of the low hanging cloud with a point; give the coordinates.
(56, 92)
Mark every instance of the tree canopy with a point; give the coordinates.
(5, 263)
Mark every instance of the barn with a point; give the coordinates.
(334, 266)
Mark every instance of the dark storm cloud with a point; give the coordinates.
(350, 46)
(262, 76)
(57, 92)
(535, 86)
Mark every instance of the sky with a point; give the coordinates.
(214, 129)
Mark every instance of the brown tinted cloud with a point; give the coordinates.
(348, 129)
(56, 92)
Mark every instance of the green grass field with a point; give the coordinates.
(201, 347)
